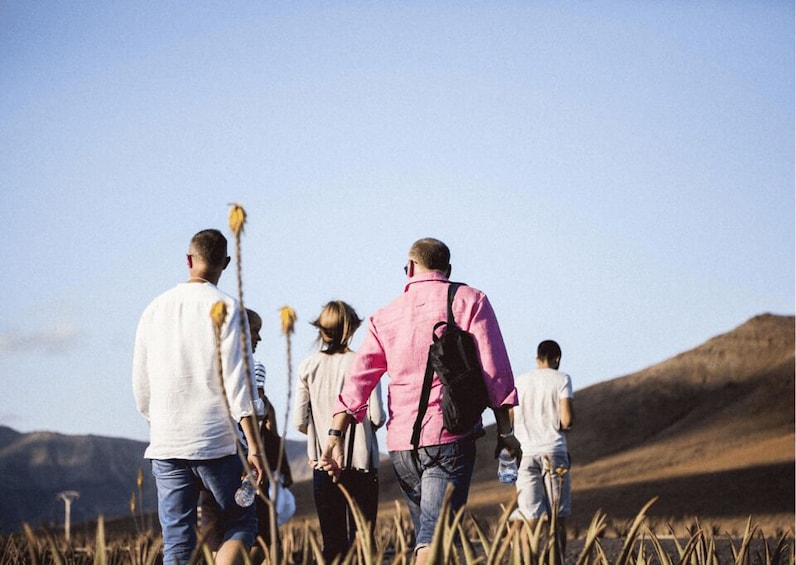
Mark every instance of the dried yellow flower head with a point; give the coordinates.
(132, 504)
(237, 217)
(288, 316)
(218, 313)
(139, 480)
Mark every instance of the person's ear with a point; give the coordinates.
(448, 271)
(189, 259)
(226, 263)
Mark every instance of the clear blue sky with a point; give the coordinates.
(617, 176)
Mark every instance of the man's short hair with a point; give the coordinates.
(431, 253)
(211, 246)
(549, 351)
(254, 318)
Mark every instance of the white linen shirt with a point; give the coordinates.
(175, 376)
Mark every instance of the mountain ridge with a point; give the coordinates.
(710, 431)
(35, 467)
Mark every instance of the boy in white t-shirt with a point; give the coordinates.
(543, 415)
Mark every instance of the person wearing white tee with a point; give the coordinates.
(543, 415)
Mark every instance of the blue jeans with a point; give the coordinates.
(424, 477)
(178, 482)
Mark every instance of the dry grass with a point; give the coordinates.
(462, 540)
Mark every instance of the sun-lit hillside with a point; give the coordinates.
(710, 431)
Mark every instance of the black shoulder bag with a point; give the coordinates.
(453, 356)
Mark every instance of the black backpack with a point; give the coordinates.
(453, 356)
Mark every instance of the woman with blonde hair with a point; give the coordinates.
(320, 380)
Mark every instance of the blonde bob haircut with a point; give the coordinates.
(336, 325)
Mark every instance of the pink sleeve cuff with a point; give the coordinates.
(358, 414)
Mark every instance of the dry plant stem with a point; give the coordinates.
(501, 526)
(747, 538)
(139, 480)
(632, 533)
(596, 528)
(220, 374)
(100, 541)
(244, 344)
(663, 557)
(289, 357)
(237, 219)
(467, 547)
(288, 317)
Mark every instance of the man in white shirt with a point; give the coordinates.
(543, 415)
(191, 418)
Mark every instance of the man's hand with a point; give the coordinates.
(332, 458)
(250, 430)
(511, 444)
(504, 417)
(256, 465)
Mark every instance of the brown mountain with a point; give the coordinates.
(710, 432)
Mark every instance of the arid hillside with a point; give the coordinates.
(710, 432)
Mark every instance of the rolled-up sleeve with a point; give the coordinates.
(367, 368)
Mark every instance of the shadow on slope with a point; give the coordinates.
(738, 493)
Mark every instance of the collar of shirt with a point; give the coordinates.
(423, 277)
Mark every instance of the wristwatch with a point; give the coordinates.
(336, 433)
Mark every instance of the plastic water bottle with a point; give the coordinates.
(246, 493)
(507, 467)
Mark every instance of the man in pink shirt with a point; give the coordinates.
(397, 343)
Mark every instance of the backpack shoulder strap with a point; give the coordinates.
(422, 406)
(351, 430)
(425, 392)
(452, 288)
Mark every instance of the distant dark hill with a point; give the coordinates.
(710, 431)
(35, 467)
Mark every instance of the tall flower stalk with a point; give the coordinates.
(139, 481)
(288, 319)
(237, 220)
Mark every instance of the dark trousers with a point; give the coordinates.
(338, 526)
